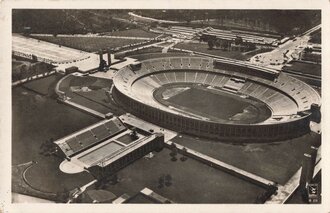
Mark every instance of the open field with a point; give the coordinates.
(304, 68)
(38, 118)
(206, 184)
(204, 48)
(316, 37)
(95, 97)
(41, 86)
(150, 50)
(134, 33)
(89, 44)
(23, 68)
(158, 54)
(52, 178)
(273, 161)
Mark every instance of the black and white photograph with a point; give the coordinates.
(165, 105)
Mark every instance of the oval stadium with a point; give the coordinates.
(144, 106)
(216, 98)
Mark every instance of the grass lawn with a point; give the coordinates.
(89, 44)
(37, 118)
(316, 37)
(24, 69)
(134, 33)
(47, 177)
(204, 48)
(81, 100)
(192, 181)
(305, 68)
(96, 98)
(273, 161)
(41, 86)
(211, 104)
(144, 51)
(158, 54)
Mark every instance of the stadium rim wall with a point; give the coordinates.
(220, 131)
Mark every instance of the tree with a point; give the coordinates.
(308, 49)
(238, 40)
(211, 44)
(114, 179)
(168, 180)
(161, 181)
(134, 135)
(184, 158)
(217, 43)
(174, 152)
(63, 196)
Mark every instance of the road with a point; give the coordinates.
(285, 52)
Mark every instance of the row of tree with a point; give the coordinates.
(223, 44)
(285, 22)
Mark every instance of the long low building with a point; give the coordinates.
(60, 56)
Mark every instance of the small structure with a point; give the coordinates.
(97, 196)
(70, 70)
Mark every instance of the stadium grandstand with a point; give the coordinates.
(84, 139)
(46, 52)
(107, 146)
(248, 37)
(276, 106)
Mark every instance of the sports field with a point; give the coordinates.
(89, 44)
(217, 105)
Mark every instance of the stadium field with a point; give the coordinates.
(89, 44)
(217, 105)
